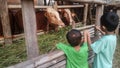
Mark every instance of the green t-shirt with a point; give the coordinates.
(75, 59)
(104, 49)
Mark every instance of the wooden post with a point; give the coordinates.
(45, 2)
(85, 14)
(5, 22)
(99, 13)
(55, 5)
(40, 2)
(29, 22)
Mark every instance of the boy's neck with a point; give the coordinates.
(77, 48)
(110, 33)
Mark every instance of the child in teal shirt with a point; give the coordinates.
(76, 51)
(105, 46)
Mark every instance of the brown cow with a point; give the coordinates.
(43, 18)
(54, 18)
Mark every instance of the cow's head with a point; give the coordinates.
(53, 17)
(66, 16)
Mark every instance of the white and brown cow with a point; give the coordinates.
(43, 18)
(53, 18)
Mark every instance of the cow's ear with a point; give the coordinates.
(59, 10)
(45, 14)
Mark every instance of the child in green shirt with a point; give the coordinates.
(105, 46)
(76, 51)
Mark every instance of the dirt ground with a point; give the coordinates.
(116, 61)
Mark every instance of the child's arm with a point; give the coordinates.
(85, 36)
(88, 38)
(98, 28)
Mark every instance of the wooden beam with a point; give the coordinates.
(85, 14)
(44, 7)
(87, 1)
(40, 2)
(55, 59)
(5, 21)
(45, 2)
(55, 6)
(99, 13)
(85, 27)
(69, 6)
(19, 36)
(29, 22)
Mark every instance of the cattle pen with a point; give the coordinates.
(55, 59)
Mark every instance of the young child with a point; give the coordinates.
(76, 51)
(105, 46)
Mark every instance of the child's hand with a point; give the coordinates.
(85, 32)
(88, 34)
(85, 36)
(97, 27)
(88, 38)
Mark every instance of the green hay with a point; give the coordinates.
(12, 54)
(16, 53)
(48, 41)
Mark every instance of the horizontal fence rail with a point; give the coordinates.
(39, 32)
(88, 1)
(43, 7)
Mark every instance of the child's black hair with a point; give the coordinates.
(110, 21)
(74, 37)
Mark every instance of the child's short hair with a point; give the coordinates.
(74, 37)
(110, 21)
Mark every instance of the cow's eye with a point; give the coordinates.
(51, 15)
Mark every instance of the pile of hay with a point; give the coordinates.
(16, 52)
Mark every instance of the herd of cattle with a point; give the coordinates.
(46, 20)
